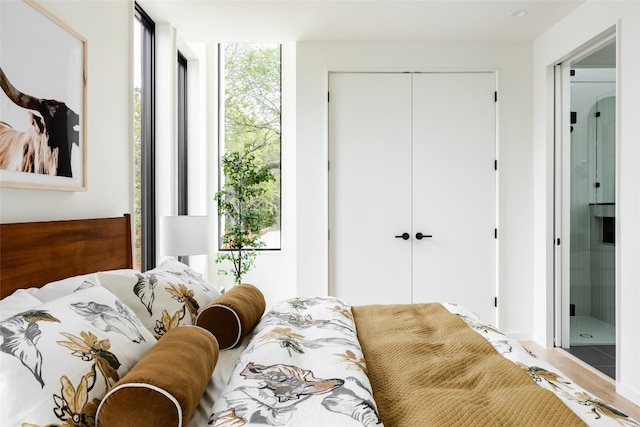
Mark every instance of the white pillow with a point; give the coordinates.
(20, 300)
(59, 358)
(59, 288)
(164, 297)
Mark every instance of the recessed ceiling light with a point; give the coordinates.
(518, 13)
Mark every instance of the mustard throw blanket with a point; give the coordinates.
(428, 368)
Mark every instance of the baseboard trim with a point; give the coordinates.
(628, 393)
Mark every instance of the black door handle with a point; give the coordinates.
(403, 236)
(420, 236)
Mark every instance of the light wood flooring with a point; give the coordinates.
(585, 376)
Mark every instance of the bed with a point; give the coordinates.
(88, 340)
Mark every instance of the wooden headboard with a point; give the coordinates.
(33, 254)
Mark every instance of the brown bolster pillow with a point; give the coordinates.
(166, 385)
(233, 314)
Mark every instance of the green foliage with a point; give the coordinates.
(252, 112)
(137, 157)
(242, 204)
(249, 202)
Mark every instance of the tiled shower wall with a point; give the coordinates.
(592, 261)
(603, 271)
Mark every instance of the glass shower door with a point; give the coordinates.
(592, 215)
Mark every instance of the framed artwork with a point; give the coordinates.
(43, 100)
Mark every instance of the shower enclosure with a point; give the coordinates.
(591, 206)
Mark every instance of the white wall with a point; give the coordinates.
(512, 61)
(109, 128)
(558, 43)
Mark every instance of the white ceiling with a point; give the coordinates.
(356, 20)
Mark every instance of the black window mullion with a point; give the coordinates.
(148, 218)
(183, 161)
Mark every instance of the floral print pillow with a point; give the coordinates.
(20, 300)
(59, 358)
(163, 298)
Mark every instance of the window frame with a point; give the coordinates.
(182, 130)
(147, 130)
(222, 141)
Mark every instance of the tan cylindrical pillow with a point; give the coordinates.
(166, 385)
(233, 314)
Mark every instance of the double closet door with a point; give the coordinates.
(412, 188)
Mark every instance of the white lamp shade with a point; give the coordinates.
(184, 235)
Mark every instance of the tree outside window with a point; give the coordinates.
(251, 116)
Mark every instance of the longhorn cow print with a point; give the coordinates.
(44, 148)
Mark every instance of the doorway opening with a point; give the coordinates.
(586, 205)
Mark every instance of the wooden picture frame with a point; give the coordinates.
(43, 102)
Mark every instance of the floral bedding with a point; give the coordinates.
(303, 366)
(59, 358)
(65, 345)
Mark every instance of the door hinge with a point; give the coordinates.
(574, 117)
(328, 96)
(597, 113)
(495, 96)
(495, 301)
(328, 165)
(558, 241)
(328, 234)
(495, 165)
(495, 233)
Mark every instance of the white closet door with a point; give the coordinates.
(454, 190)
(369, 191)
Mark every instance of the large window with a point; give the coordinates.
(250, 119)
(143, 110)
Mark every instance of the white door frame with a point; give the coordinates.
(562, 189)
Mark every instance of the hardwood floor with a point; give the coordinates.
(585, 376)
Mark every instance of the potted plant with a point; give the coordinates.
(244, 210)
